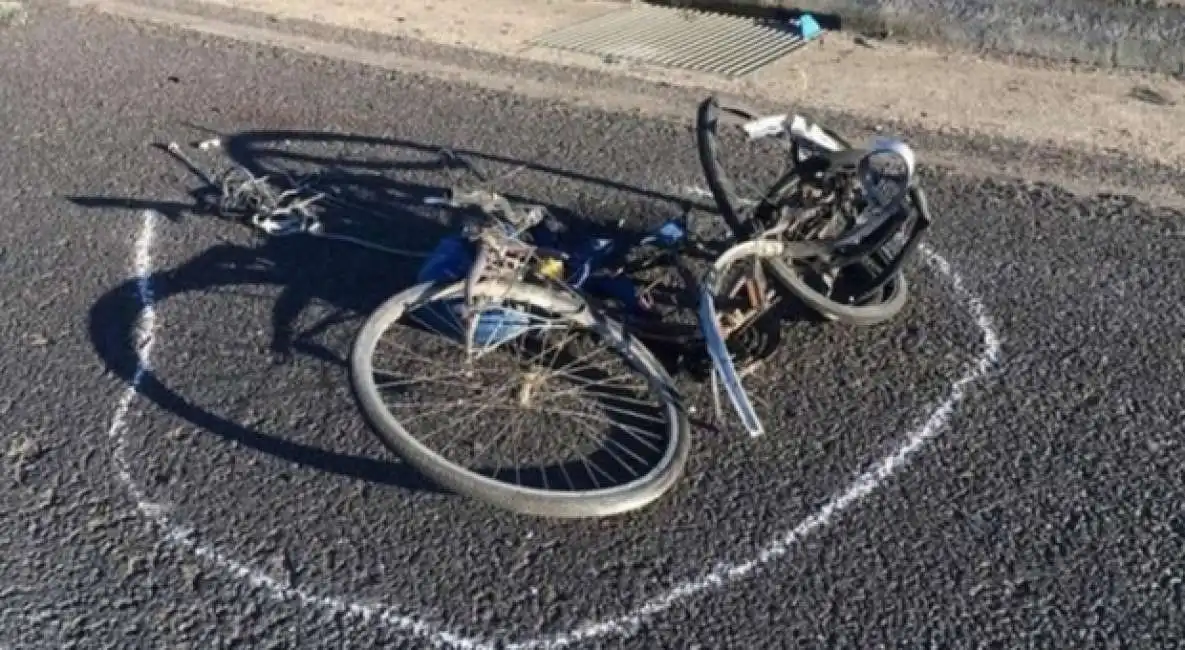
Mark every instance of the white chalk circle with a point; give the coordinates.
(435, 634)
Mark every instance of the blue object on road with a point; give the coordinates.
(808, 28)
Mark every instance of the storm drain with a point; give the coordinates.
(683, 38)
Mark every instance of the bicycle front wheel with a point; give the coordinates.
(539, 368)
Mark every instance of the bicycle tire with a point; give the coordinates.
(518, 499)
(865, 315)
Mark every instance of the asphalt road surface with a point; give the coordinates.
(240, 501)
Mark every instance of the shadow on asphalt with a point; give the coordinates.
(385, 208)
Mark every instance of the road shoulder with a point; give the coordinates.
(1007, 118)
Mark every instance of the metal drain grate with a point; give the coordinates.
(680, 38)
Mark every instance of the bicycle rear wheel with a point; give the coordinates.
(747, 221)
(833, 299)
(631, 399)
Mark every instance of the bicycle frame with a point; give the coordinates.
(495, 247)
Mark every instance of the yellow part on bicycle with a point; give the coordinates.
(551, 267)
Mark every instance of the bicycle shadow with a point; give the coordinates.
(374, 201)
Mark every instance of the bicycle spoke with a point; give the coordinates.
(608, 439)
(640, 439)
(588, 388)
(577, 414)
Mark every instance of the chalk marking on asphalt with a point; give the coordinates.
(723, 574)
